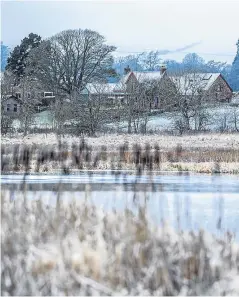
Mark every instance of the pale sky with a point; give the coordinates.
(132, 26)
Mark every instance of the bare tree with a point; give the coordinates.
(69, 60)
(7, 84)
(144, 93)
(150, 61)
(30, 100)
(141, 108)
(188, 101)
(136, 105)
(96, 107)
(84, 113)
(61, 111)
(7, 89)
(65, 64)
(227, 118)
(236, 118)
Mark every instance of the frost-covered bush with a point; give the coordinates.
(77, 249)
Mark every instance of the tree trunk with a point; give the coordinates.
(129, 125)
(25, 127)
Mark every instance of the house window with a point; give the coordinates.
(219, 88)
(8, 107)
(48, 94)
(15, 107)
(18, 95)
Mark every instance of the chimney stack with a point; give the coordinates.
(163, 69)
(127, 70)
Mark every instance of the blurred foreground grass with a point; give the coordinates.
(78, 249)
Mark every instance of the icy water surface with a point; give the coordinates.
(185, 201)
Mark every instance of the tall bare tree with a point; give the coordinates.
(188, 100)
(150, 61)
(136, 105)
(69, 60)
(97, 108)
(7, 82)
(86, 112)
(30, 100)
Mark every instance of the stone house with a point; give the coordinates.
(210, 87)
(11, 105)
(160, 88)
(44, 97)
(217, 89)
(109, 93)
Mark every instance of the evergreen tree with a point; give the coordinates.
(17, 60)
(4, 55)
(234, 76)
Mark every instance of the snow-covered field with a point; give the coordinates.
(79, 249)
(220, 115)
(112, 141)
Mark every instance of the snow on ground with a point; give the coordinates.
(220, 114)
(112, 141)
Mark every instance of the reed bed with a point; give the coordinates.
(75, 248)
(82, 156)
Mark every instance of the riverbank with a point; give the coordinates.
(79, 249)
(205, 153)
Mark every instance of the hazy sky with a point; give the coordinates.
(132, 26)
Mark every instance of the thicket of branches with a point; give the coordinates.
(69, 61)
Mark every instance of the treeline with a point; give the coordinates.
(151, 61)
(63, 64)
(145, 61)
(68, 62)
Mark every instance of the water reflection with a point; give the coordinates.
(185, 202)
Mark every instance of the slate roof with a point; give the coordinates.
(189, 83)
(143, 76)
(5, 98)
(97, 88)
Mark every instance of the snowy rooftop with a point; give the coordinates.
(152, 75)
(142, 76)
(98, 88)
(189, 83)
